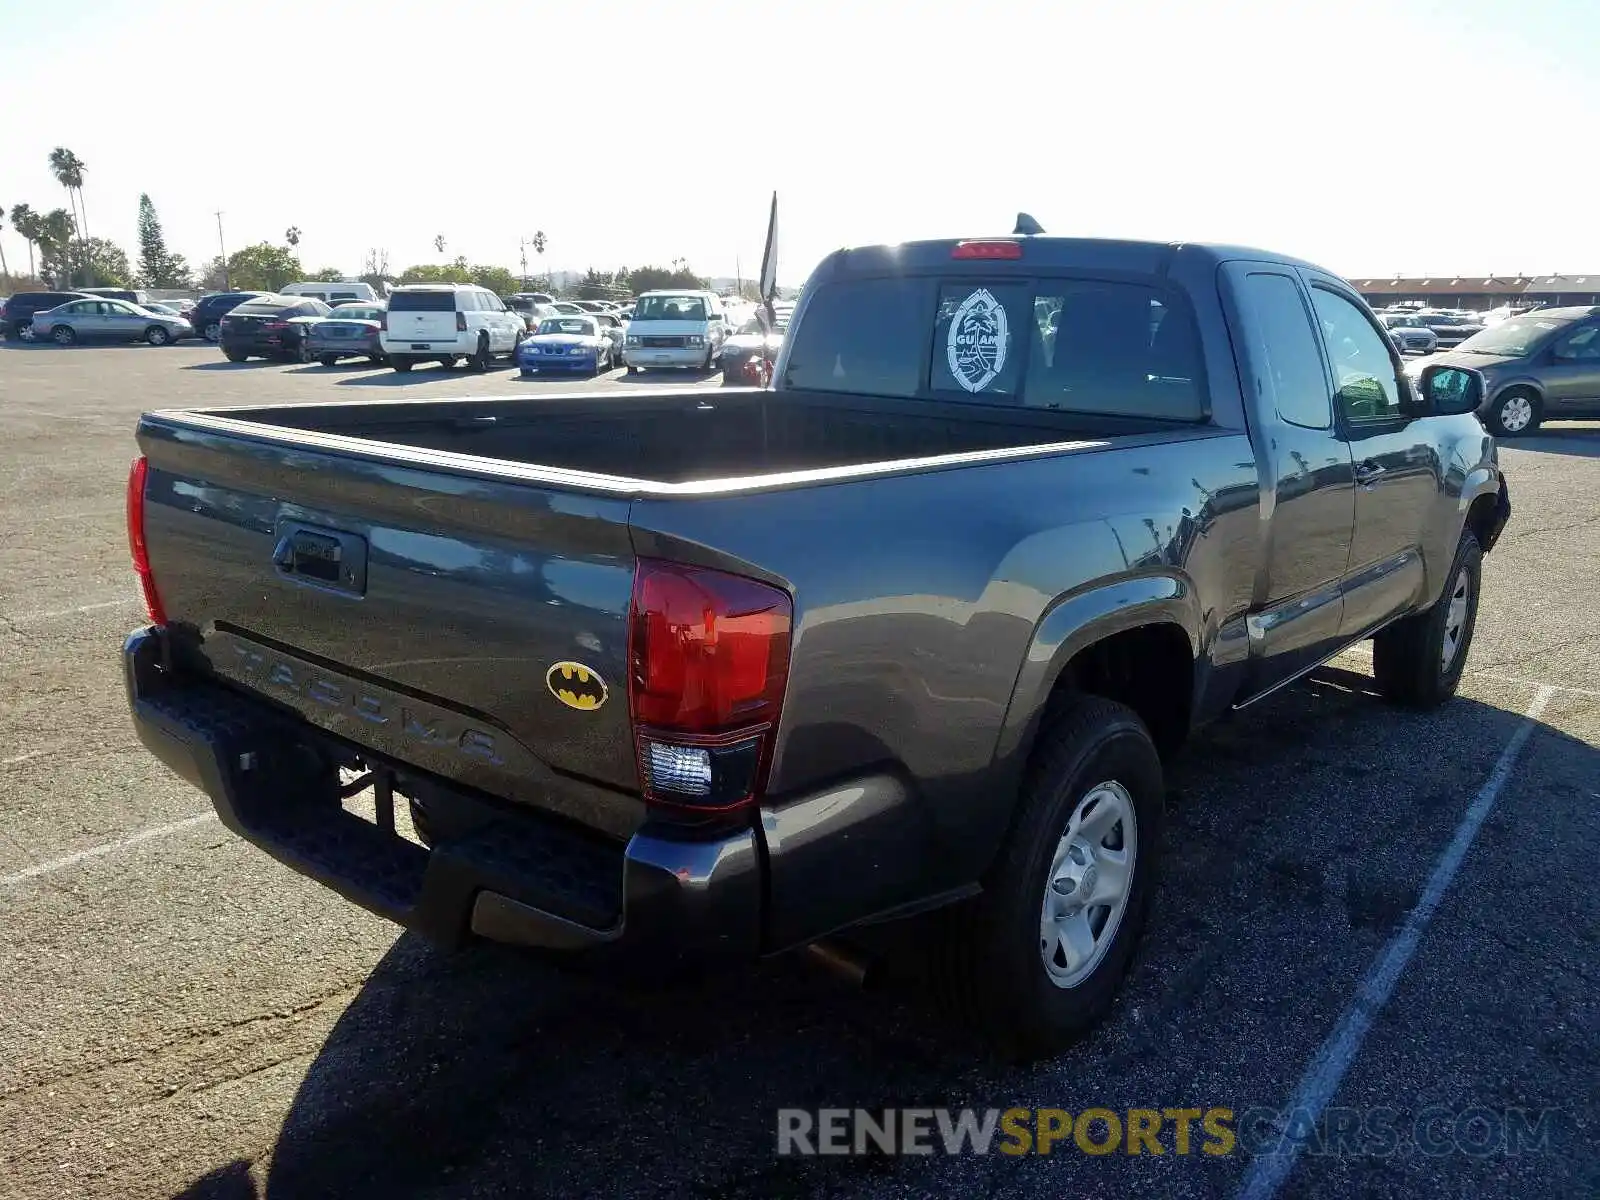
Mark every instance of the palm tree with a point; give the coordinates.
(292, 235)
(26, 222)
(68, 169)
(55, 230)
(5, 271)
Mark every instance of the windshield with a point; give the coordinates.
(670, 308)
(575, 325)
(1514, 338)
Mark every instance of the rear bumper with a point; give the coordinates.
(460, 346)
(344, 347)
(505, 874)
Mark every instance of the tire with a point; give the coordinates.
(156, 335)
(23, 331)
(234, 356)
(401, 363)
(525, 373)
(378, 360)
(328, 360)
(1515, 412)
(711, 353)
(479, 360)
(1417, 662)
(63, 335)
(448, 363)
(632, 370)
(1094, 762)
(301, 353)
(212, 331)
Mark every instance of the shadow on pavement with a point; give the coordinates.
(1298, 838)
(1556, 439)
(249, 364)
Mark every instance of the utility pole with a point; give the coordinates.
(522, 245)
(224, 251)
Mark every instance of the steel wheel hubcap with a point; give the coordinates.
(1087, 889)
(1455, 620)
(1516, 413)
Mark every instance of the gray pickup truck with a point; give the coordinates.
(717, 673)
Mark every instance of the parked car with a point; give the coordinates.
(331, 291)
(130, 295)
(97, 320)
(1408, 333)
(535, 297)
(593, 306)
(675, 329)
(16, 314)
(1541, 366)
(348, 331)
(165, 307)
(530, 310)
(615, 331)
(748, 345)
(209, 311)
(568, 308)
(649, 704)
(448, 322)
(270, 327)
(1451, 328)
(565, 344)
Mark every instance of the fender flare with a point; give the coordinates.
(1078, 620)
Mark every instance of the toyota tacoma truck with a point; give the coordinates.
(682, 676)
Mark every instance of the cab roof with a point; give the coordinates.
(1042, 252)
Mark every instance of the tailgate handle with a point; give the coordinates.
(323, 558)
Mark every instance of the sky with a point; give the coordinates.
(1422, 137)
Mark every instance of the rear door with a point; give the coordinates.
(422, 317)
(122, 322)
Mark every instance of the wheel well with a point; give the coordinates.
(1480, 519)
(1149, 668)
(1514, 388)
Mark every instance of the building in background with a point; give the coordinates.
(1481, 293)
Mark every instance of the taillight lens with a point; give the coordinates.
(461, 322)
(136, 545)
(276, 325)
(708, 663)
(987, 250)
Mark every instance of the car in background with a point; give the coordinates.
(16, 314)
(93, 319)
(673, 328)
(1408, 333)
(615, 330)
(568, 308)
(743, 349)
(165, 307)
(267, 327)
(565, 343)
(131, 295)
(592, 306)
(348, 331)
(530, 310)
(1451, 328)
(447, 322)
(331, 291)
(1541, 366)
(209, 311)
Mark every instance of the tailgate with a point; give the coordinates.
(423, 326)
(414, 612)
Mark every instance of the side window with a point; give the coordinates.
(468, 301)
(496, 303)
(1292, 378)
(1362, 367)
(83, 308)
(1582, 345)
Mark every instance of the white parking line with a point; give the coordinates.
(144, 835)
(26, 618)
(1327, 1070)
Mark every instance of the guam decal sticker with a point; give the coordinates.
(576, 685)
(976, 343)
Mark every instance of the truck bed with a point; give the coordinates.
(677, 437)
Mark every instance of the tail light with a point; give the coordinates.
(461, 322)
(708, 662)
(276, 326)
(987, 250)
(136, 545)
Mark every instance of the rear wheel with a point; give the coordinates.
(64, 335)
(1515, 411)
(212, 331)
(156, 335)
(328, 360)
(1035, 960)
(448, 362)
(401, 363)
(234, 355)
(479, 359)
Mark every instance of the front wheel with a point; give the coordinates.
(478, 360)
(157, 336)
(1417, 662)
(1035, 960)
(1513, 413)
(234, 356)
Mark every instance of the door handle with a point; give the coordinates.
(1369, 472)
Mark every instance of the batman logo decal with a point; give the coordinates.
(576, 685)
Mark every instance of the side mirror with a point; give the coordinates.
(1449, 391)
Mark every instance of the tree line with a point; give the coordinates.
(61, 254)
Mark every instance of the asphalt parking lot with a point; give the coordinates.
(181, 1016)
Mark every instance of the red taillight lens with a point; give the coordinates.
(708, 663)
(141, 556)
(276, 326)
(987, 250)
(461, 322)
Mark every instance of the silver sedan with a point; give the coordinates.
(108, 321)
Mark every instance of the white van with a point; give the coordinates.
(335, 291)
(675, 329)
(447, 322)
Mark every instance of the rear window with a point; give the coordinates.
(258, 308)
(1072, 345)
(423, 302)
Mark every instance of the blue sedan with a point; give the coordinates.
(565, 344)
